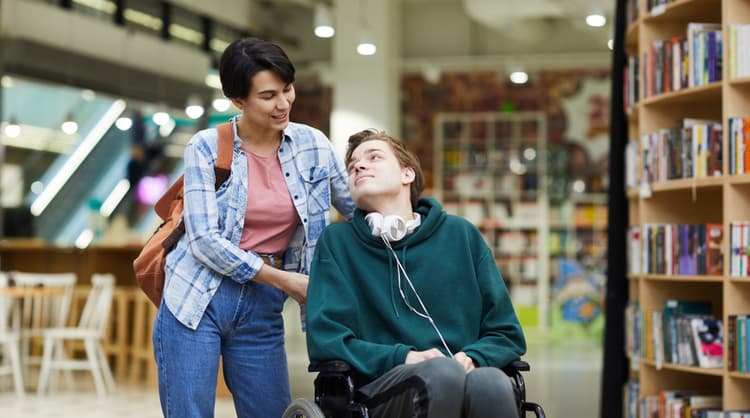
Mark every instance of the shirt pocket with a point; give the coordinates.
(318, 189)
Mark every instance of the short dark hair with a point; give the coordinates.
(245, 57)
(406, 158)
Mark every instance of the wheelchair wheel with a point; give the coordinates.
(303, 408)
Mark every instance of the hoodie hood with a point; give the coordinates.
(428, 208)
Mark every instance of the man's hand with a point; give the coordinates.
(418, 356)
(465, 361)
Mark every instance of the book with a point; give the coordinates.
(707, 337)
(714, 256)
(673, 310)
(732, 343)
(741, 353)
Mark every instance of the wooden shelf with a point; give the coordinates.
(739, 179)
(693, 10)
(687, 184)
(708, 93)
(683, 278)
(742, 81)
(685, 369)
(739, 375)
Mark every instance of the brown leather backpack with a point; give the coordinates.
(149, 265)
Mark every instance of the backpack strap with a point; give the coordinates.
(222, 169)
(226, 150)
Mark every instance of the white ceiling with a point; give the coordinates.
(453, 30)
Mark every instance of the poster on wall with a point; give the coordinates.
(587, 114)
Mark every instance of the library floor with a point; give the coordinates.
(565, 379)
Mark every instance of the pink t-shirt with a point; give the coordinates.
(270, 218)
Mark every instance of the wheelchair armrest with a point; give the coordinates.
(330, 366)
(516, 366)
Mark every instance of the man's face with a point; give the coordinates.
(375, 173)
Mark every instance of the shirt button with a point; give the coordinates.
(295, 197)
(287, 174)
(311, 178)
(304, 220)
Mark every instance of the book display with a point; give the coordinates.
(687, 97)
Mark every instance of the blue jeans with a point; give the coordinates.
(243, 324)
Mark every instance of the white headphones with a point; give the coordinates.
(391, 227)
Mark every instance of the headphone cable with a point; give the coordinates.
(426, 313)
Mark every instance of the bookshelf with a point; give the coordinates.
(487, 169)
(722, 199)
(495, 170)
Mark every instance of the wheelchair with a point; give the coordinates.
(335, 394)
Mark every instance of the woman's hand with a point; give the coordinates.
(293, 284)
(413, 357)
(296, 286)
(465, 361)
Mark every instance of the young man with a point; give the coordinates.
(411, 297)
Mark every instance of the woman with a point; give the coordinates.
(248, 244)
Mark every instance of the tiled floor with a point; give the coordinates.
(564, 379)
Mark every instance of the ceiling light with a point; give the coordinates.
(221, 104)
(124, 123)
(366, 48)
(12, 129)
(160, 117)
(6, 81)
(323, 21)
(519, 77)
(596, 20)
(69, 126)
(610, 44)
(194, 108)
(366, 45)
(325, 31)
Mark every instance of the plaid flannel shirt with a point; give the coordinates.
(214, 219)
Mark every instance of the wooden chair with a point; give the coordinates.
(90, 331)
(10, 339)
(44, 302)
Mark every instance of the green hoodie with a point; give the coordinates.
(355, 312)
